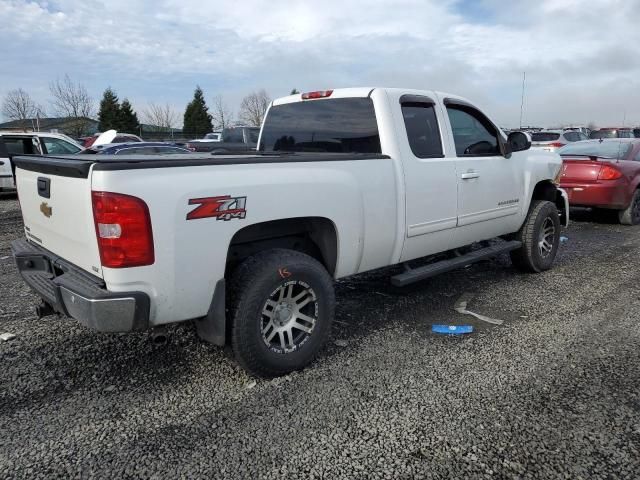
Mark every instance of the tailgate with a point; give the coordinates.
(57, 211)
(580, 171)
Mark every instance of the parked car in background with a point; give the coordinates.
(30, 143)
(119, 138)
(210, 137)
(214, 136)
(552, 140)
(233, 140)
(604, 174)
(585, 130)
(612, 133)
(138, 148)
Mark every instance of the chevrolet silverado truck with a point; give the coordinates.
(344, 181)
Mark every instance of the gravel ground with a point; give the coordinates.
(552, 393)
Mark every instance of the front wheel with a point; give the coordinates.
(281, 304)
(540, 237)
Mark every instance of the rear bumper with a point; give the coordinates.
(75, 293)
(604, 195)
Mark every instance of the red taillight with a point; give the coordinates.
(318, 94)
(556, 145)
(607, 172)
(123, 228)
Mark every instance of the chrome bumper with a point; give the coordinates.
(71, 291)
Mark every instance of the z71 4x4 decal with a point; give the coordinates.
(223, 208)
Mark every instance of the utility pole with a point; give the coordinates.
(524, 76)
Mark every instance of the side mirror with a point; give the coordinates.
(519, 141)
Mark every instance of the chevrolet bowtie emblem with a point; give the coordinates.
(46, 209)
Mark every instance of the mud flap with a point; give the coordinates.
(212, 328)
(562, 202)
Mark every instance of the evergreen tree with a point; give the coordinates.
(127, 119)
(197, 120)
(294, 91)
(109, 111)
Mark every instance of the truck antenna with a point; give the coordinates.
(524, 76)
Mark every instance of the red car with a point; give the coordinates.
(604, 174)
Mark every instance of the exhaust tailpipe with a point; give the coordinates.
(159, 337)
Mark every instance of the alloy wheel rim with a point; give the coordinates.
(547, 237)
(289, 317)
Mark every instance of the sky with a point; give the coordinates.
(580, 57)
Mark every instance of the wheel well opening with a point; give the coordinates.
(315, 236)
(545, 190)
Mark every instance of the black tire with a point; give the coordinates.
(532, 257)
(254, 288)
(631, 214)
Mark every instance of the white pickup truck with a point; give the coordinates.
(344, 181)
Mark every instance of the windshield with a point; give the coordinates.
(613, 149)
(340, 125)
(544, 136)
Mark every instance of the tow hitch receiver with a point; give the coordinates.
(44, 310)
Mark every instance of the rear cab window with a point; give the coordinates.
(422, 128)
(20, 145)
(333, 125)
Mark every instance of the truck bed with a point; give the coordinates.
(79, 165)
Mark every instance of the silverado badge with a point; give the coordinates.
(46, 209)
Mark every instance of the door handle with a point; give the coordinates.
(470, 174)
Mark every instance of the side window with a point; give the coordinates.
(169, 150)
(637, 157)
(473, 133)
(137, 151)
(571, 136)
(233, 135)
(422, 129)
(55, 146)
(253, 135)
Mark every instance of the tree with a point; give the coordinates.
(71, 100)
(108, 115)
(127, 118)
(18, 105)
(222, 115)
(295, 91)
(592, 125)
(163, 117)
(197, 120)
(253, 108)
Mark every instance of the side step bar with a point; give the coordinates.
(416, 274)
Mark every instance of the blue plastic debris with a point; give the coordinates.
(452, 329)
(564, 239)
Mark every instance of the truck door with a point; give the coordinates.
(430, 179)
(490, 188)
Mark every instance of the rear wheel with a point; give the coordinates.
(631, 214)
(282, 304)
(540, 237)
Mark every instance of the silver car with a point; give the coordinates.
(552, 140)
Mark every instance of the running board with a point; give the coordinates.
(416, 274)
